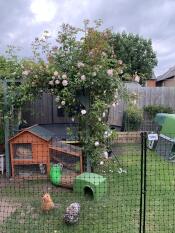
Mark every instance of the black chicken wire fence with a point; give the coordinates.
(131, 189)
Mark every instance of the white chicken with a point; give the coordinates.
(72, 212)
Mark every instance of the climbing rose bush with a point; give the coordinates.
(82, 73)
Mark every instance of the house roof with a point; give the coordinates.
(169, 74)
(38, 131)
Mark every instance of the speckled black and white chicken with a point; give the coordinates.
(72, 212)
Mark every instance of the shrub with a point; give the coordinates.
(152, 110)
(132, 119)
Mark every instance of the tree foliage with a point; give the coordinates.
(136, 53)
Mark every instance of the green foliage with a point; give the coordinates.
(133, 117)
(152, 110)
(10, 66)
(136, 53)
(10, 69)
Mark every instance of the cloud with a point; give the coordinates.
(43, 10)
(23, 20)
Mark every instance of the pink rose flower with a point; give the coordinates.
(110, 72)
(65, 83)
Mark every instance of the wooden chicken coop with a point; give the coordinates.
(29, 151)
(35, 149)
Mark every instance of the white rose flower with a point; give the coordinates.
(120, 62)
(91, 53)
(59, 107)
(99, 118)
(105, 154)
(57, 99)
(26, 72)
(110, 72)
(80, 64)
(64, 76)
(94, 74)
(101, 162)
(83, 77)
(107, 134)
(51, 82)
(83, 112)
(63, 102)
(56, 73)
(65, 83)
(104, 114)
(57, 81)
(116, 96)
(96, 143)
(73, 119)
(103, 54)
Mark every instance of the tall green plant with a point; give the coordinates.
(132, 119)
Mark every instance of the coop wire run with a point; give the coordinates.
(69, 157)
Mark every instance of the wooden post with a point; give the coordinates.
(6, 130)
(81, 163)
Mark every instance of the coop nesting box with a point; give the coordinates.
(29, 150)
(92, 182)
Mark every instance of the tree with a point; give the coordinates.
(136, 53)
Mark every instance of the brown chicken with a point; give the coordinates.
(47, 203)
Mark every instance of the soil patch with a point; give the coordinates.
(7, 208)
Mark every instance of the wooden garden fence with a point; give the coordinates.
(145, 96)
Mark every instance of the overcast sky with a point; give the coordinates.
(23, 20)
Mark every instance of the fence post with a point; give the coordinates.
(143, 184)
(145, 181)
(6, 131)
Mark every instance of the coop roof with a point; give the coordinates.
(39, 131)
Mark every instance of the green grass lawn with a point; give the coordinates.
(117, 212)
